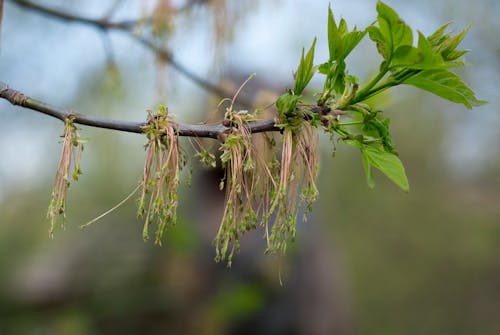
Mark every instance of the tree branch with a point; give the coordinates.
(61, 15)
(210, 131)
(127, 27)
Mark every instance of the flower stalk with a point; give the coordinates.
(298, 172)
(70, 156)
(238, 158)
(158, 201)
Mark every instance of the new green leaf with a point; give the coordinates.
(422, 58)
(448, 46)
(383, 46)
(286, 103)
(305, 71)
(438, 37)
(447, 85)
(388, 163)
(392, 32)
(341, 41)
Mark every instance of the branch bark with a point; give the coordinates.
(18, 98)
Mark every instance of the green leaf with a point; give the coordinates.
(430, 58)
(447, 85)
(422, 58)
(286, 103)
(394, 30)
(368, 170)
(340, 41)
(438, 37)
(388, 163)
(455, 54)
(338, 78)
(325, 68)
(405, 56)
(305, 71)
(446, 45)
(449, 45)
(377, 128)
(351, 40)
(383, 46)
(334, 36)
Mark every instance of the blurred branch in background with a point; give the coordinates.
(128, 26)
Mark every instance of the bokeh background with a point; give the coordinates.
(367, 262)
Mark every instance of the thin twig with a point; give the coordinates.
(127, 26)
(64, 16)
(112, 10)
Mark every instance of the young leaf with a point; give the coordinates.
(334, 36)
(430, 58)
(438, 36)
(337, 77)
(340, 41)
(351, 40)
(388, 163)
(377, 128)
(305, 71)
(449, 45)
(422, 58)
(383, 46)
(447, 85)
(446, 45)
(395, 31)
(405, 56)
(286, 103)
(368, 170)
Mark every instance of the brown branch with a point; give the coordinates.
(211, 131)
(127, 27)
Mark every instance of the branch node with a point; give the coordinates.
(18, 98)
(70, 117)
(222, 136)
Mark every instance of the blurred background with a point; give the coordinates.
(367, 262)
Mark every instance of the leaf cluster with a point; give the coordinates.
(427, 65)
